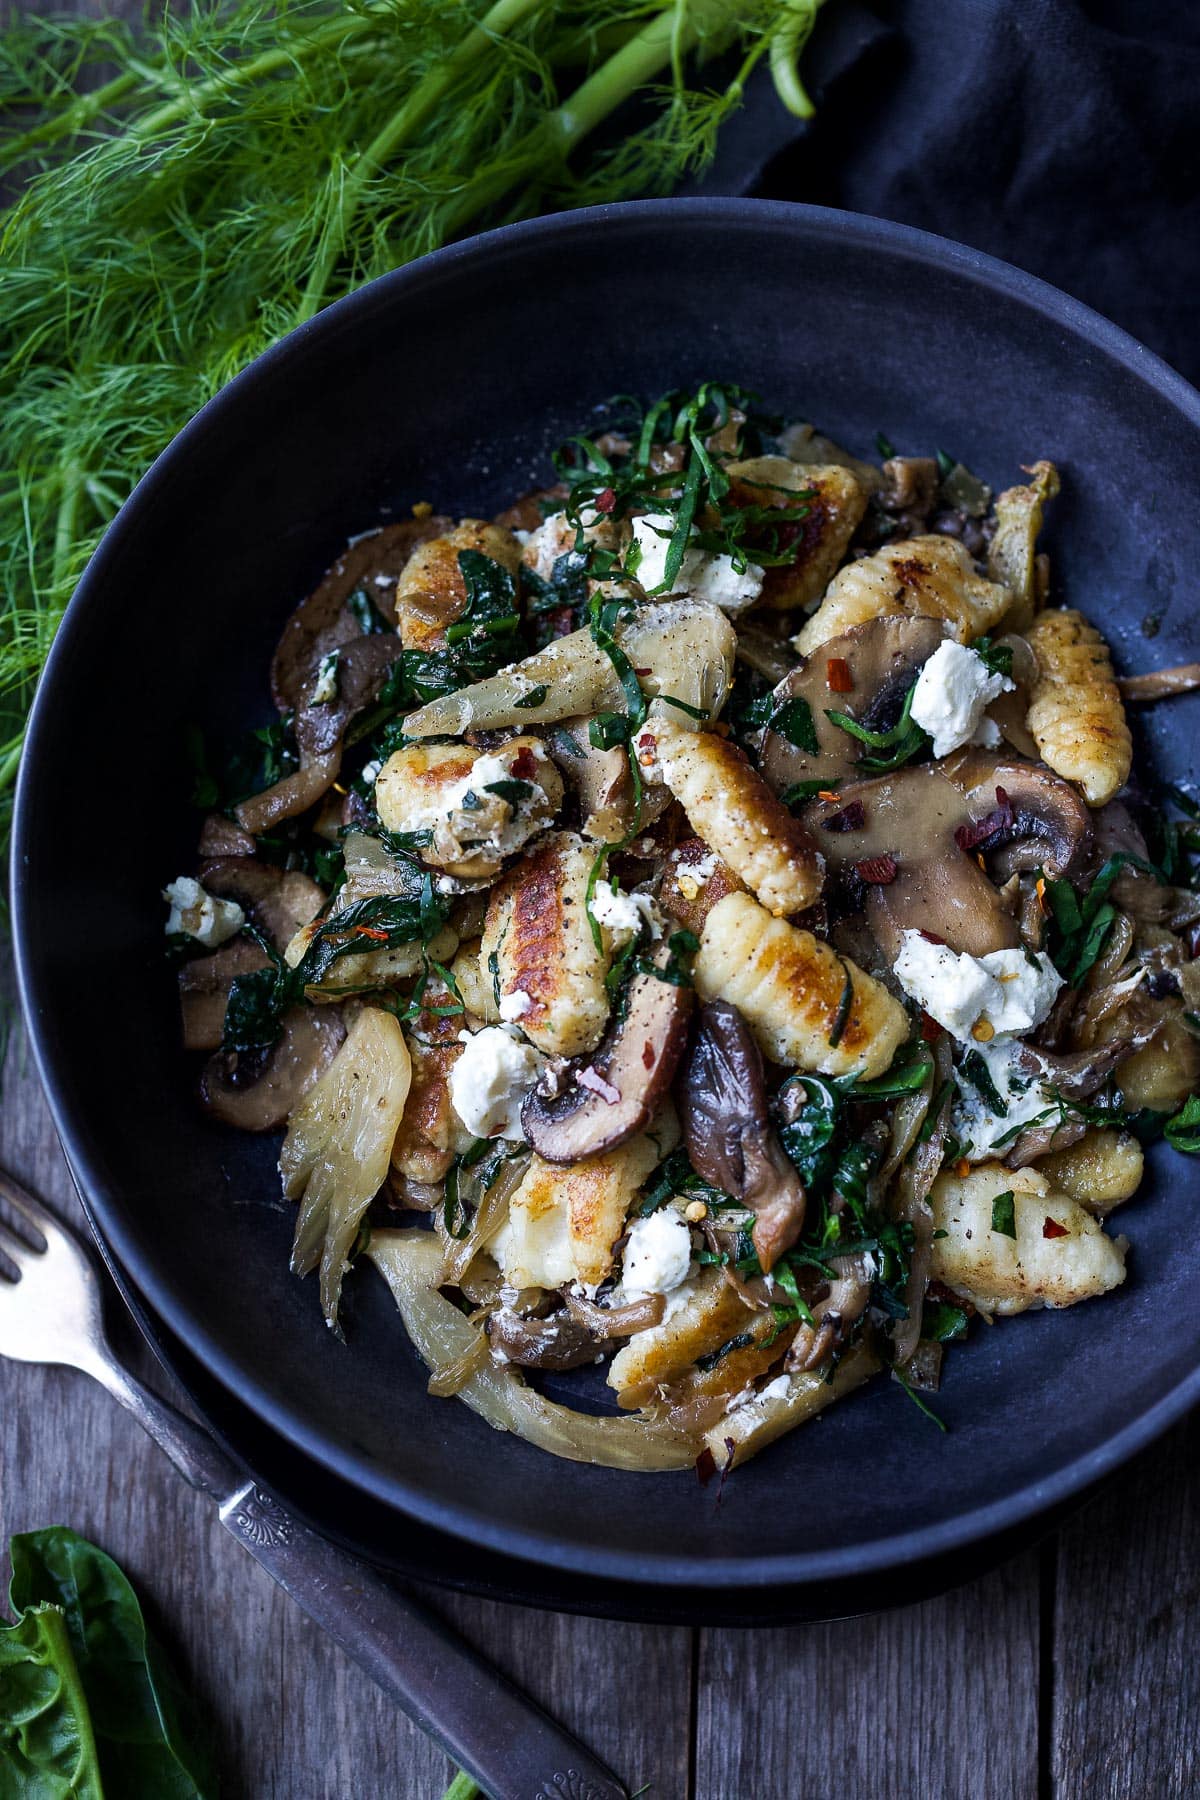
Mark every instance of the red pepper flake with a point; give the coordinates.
(1052, 1229)
(524, 764)
(827, 794)
(706, 1466)
(594, 1082)
(880, 871)
(931, 937)
(643, 671)
(838, 678)
(850, 818)
(647, 1055)
(931, 1031)
(605, 501)
(371, 931)
(978, 831)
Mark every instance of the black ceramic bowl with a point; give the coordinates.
(449, 381)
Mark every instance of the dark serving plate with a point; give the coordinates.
(449, 381)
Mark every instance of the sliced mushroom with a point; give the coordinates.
(865, 673)
(324, 621)
(257, 1093)
(559, 1342)
(910, 491)
(605, 1099)
(219, 836)
(603, 783)
(833, 1316)
(917, 838)
(1161, 684)
(606, 1322)
(1033, 818)
(363, 666)
(279, 901)
(728, 1133)
(902, 827)
(204, 984)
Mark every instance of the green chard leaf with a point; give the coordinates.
(89, 1706)
(1004, 1217)
(1182, 1131)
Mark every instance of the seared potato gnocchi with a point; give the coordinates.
(932, 576)
(730, 806)
(538, 942)
(1075, 710)
(808, 1007)
(744, 1020)
(1003, 1273)
(466, 811)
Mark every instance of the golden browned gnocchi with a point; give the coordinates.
(808, 1007)
(932, 576)
(1075, 710)
(744, 1011)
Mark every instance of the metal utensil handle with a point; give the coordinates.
(490, 1728)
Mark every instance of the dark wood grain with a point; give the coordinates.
(936, 1700)
(1126, 1674)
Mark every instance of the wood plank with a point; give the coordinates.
(292, 1716)
(1126, 1681)
(939, 1700)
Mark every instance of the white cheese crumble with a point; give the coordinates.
(657, 1256)
(778, 1389)
(623, 915)
(514, 1006)
(1007, 989)
(1024, 1098)
(201, 915)
(370, 773)
(326, 687)
(952, 691)
(703, 574)
(490, 1080)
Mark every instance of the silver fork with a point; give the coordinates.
(52, 1313)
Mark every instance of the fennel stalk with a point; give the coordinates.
(248, 163)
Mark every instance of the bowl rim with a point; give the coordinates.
(799, 1568)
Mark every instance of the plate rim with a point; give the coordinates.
(801, 1568)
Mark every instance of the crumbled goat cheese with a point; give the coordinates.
(987, 734)
(514, 1006)
(1029, 987)
(201, 915)
(623, 915)
(1009, 990)
(326, 688)
(775, 1390)
(1023, 1098)
(951, 694)
(370, 772)
(702, 574)
(657, 1256)
(490, 1080)
(952, 989)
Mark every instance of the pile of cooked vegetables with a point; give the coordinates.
(702, 921)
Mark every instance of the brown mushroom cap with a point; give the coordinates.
(605, 1099)
(728, 1133)
(323, 621)
(258, 1095)
(934, 823)
(279, 901)
(602, 782)
(558, 1342)
(1036, 819)
(882, 658)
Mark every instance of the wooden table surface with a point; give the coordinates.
(1070, 1672)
